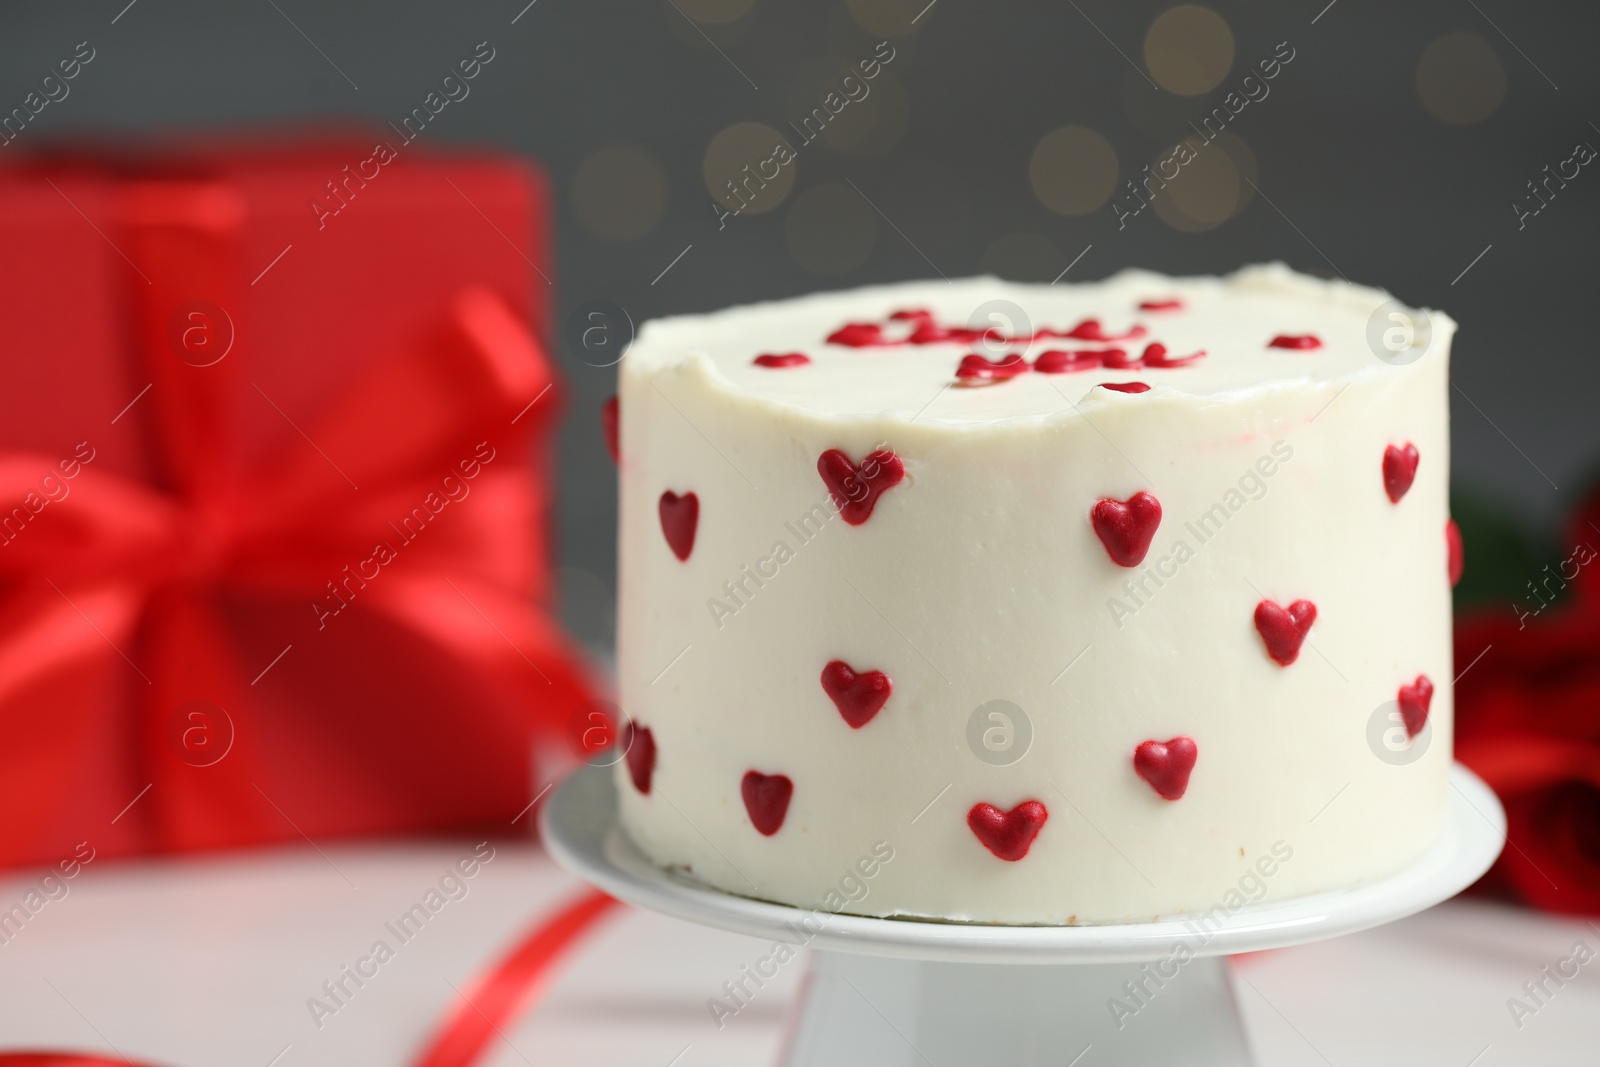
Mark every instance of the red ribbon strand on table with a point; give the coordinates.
(513, 984)
(488, 1005)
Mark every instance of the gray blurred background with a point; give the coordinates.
(1394, 144)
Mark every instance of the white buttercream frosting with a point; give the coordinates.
(979, 577)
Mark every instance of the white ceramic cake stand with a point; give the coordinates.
(896, 993)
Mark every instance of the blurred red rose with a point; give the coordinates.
(1528, 722)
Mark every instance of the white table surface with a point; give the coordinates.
(210, 962)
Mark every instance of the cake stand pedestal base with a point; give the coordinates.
(866, 1011)
(890, 992)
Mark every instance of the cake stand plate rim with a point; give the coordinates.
(580, 829)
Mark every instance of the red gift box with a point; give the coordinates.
(273, 491)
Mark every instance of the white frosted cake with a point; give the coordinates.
(1037, 604)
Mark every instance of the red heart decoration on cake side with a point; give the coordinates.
(856, 489)
(680, 515)
(1414, 701)
(610, 412)
(1399, 470)
(641, 756)
(1284, 629)
(1301, 341)
(1166, 765)
(858, 695)
(766, 798)
(1008, 834)
(1126, 528)
(1455, 560)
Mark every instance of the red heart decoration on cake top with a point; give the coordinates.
(976, 368)
(1008, 834)
(782, 359)
(1161, 305)
(610, 411)
(1091, 330)
(1399, 470)
(1454, 558)
(1125, 528)
(680, 515)
(1284, 629)
(1118, 359)
(929, 332)
(1125, 387)
(1304, 341)
(641, 756)
(1060, 361)
(1155, 355)
(858, 696)
(856, 489)
(766, 798)
(858, 335)
(1166, 765)
(1414, 701)
(911, 315)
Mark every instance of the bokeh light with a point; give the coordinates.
(1460, 79)
(1208, 190)
(830, 229)
(1073, 170)
(1189, 49)
(619, 193)
(766, 182)
(1244, 160)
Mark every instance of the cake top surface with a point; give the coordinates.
(980, 349)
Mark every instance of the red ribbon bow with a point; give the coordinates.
(142, 597)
